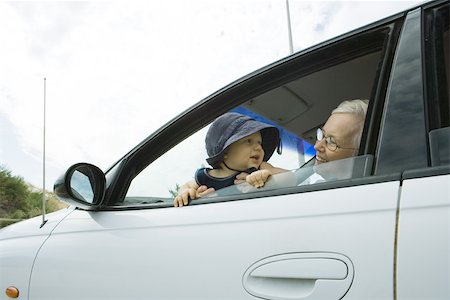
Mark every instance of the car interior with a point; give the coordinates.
(305, 104)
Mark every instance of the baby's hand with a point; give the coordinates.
(204, 190)
(240, 178)
(183, 197)
(258, 178)
(191, 193)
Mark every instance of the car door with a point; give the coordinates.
(423, 259)
(323, 244)
(328, 240)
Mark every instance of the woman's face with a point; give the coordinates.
(341, 127)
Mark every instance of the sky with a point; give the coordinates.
(118, 70)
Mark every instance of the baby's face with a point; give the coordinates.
(245, 153)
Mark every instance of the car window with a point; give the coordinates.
(438, 92)
(344, 70)
(161, 180)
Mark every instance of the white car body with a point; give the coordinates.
(381, 234)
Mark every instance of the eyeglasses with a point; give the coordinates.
(330, 142)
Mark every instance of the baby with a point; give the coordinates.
(238, 148)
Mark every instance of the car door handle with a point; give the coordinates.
(300, 276)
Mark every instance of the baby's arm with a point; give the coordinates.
(273, 170)
(190, 190)
(259, 178)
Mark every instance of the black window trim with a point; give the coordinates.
(426, 172)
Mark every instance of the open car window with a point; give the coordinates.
(160, 181)
(350, 69)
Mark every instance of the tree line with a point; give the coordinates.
(19, 201)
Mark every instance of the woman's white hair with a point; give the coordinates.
(358, 107)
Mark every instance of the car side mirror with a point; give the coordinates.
(83, 185)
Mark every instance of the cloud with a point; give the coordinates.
(317, 21)
(115, 72)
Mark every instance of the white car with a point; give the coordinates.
(380, 231)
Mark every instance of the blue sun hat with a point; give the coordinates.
(231, 127)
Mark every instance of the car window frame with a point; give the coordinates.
(393, 153)
(256, 83)
(431, 92)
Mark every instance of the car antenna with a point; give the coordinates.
(43, 163)
(291, 46)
